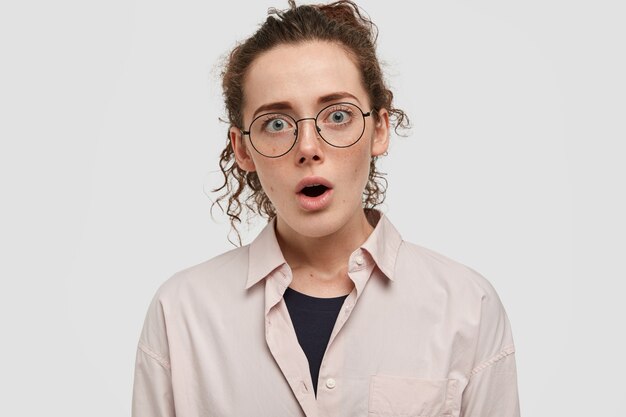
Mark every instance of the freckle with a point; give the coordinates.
(271, 188)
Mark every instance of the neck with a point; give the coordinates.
(326, 254)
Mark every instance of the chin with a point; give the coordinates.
(316, 224)
(312, 224)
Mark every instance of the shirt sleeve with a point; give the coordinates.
(152, 388)
(492, 388)
(153, 394)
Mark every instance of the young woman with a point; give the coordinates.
(328, 312)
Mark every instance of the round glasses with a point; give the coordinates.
(340, 125)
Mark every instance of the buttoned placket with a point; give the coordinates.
(330, 388)
(283, 343)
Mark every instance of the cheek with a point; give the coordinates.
(270, 177)
(267, 181)
(364, 157)
(357, 164)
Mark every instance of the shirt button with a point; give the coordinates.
(359, 260)
(330, 383)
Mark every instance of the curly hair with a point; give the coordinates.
(340, 22)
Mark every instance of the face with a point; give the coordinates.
(299, 80)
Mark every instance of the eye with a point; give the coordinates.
(275, 123)
(339, 116)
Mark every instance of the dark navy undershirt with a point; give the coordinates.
(313, 320)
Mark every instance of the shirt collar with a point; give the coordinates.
(382, 244)
(264, 254)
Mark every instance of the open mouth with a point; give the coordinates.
(314, 190)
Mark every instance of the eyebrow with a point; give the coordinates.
(285, 105)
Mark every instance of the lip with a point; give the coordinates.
(311, 181)
(314, 203)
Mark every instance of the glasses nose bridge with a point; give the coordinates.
(317, 129)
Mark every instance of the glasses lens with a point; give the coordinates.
(273, 134)
(341, 124)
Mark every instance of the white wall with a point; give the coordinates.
(109, 133)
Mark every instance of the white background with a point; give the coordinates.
(110, 133)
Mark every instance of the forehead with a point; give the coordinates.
(300, 74)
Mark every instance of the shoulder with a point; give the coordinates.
(468, 296)
(426, 263)
(227, 269)
(188, 291)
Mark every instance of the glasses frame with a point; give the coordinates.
(317, 128)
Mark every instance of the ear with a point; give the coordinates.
(242, 156)
(380, 137)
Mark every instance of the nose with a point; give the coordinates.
(309, 146)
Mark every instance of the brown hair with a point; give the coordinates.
(340, 22)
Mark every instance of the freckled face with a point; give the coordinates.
(298, 76)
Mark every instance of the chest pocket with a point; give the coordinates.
(411, 397)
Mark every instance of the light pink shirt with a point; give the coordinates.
(419, 335)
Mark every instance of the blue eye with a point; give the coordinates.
(276, 125)
(339, 116)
